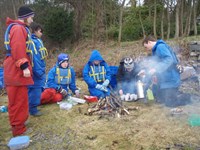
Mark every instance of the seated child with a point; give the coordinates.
(61, 78)
(96, 74)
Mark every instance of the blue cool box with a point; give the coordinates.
(19, 142)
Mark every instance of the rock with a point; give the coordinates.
(188, 72)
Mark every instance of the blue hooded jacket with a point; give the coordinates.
(39, 64)
(165, 65)
(90, 80)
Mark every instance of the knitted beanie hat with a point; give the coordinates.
(62, 57)
(25, 12)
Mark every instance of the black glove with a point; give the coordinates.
(64, 93)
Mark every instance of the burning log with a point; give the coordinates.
(111, 105)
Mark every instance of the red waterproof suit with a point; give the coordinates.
(16, 83)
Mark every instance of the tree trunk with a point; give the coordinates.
(143, 31)
(181, 18)
(79, 9)
(195, 3)
(189, 20)
(177, 18)
(162, 22)
(168, 20)
(187, 26)
(154, 19)
(120, 22)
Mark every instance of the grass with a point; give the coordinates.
(151, 127)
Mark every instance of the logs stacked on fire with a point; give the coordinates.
(111, 105)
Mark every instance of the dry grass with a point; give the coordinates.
(150, 127)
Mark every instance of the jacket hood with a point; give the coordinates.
(34, 36)
(9, 21)
(157, 43)
(95, 56)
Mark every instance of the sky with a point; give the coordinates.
(127, 1)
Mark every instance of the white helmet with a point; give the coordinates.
(128, 63)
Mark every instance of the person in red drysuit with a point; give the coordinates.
(17, 68)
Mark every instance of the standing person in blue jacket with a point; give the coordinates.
(164, 67)
(96, 74)
(39, 67)
(61, 78)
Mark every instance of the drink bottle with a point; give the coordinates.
(140, 90)
(3, 109)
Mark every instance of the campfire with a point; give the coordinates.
(111, 105)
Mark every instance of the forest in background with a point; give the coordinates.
(67, 22)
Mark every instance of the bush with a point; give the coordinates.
(113, 32)
(58, 25)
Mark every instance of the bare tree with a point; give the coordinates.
(177, 18)
(188, 19)
(132, 3)
(181, 18)
(143, 31)
(168, 19)
(154, 19)
(8, 8)
(195, 4)
(162, 22)
(120, 21)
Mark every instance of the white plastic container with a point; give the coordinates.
(65, 106)
(19, 142)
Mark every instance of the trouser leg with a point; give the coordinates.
(34, 99)
(17, 108)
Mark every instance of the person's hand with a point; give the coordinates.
(64, 93)
(106, 83)
(152, 71)
(154, 79)
(121, 92)
(26, 73)
(77, 93)
(101, 87)
(141, 73)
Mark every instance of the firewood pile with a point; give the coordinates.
(110, 106)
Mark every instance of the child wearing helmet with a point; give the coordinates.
(61, 78)
(126, 79)
(96, 74)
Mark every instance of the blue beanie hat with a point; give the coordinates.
(62, 57)
(25, 12)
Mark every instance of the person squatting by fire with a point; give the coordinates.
(61, 78)
(163, 65)
(126, 79)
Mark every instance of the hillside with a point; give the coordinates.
(151, 126)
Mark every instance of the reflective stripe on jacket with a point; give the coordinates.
(29, 43)
(97, 73)
(63, 76)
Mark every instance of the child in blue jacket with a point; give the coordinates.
(96, 74)
(61, 78)
(39, 67)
